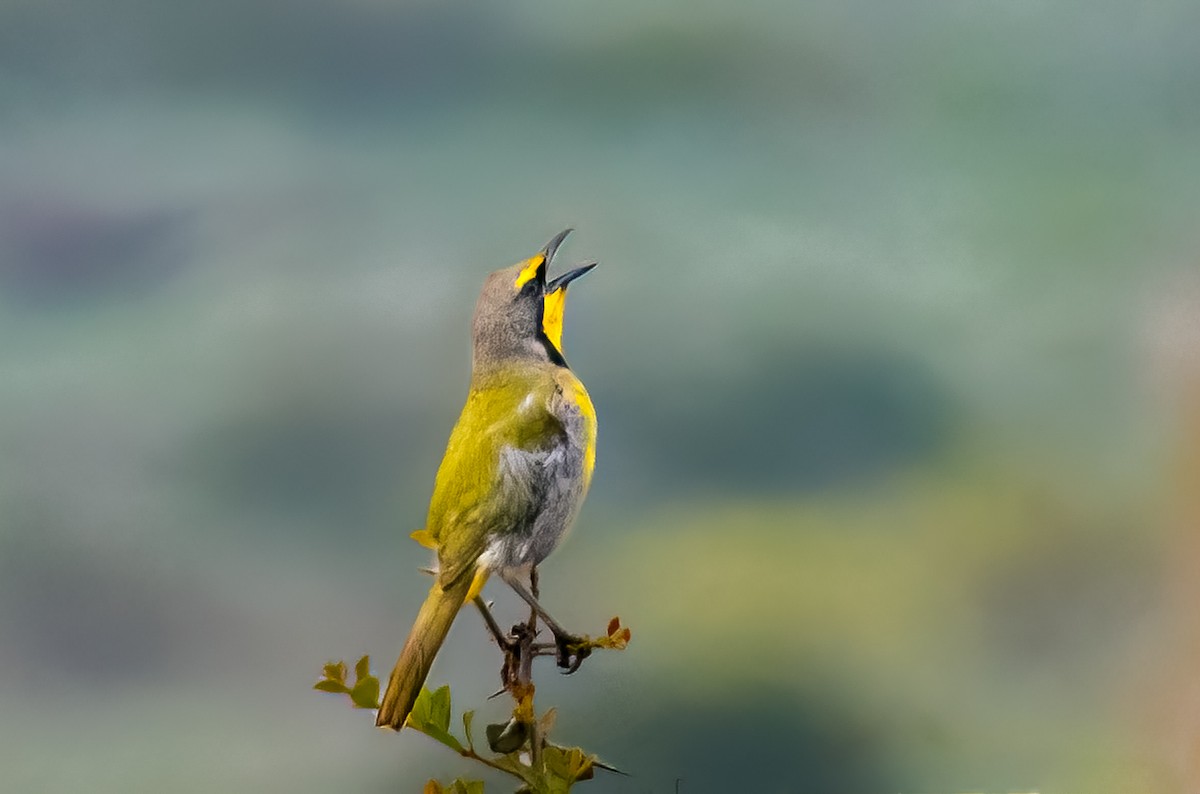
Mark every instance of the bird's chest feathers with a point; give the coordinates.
(532, 451)
(518, 466)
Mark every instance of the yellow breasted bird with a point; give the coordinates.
(516, 468)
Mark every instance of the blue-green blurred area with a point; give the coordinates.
(884, 345)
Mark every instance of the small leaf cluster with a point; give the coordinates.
(617, 638)
(459, 786)
(559, 767)
(518, 747)
(364, 694)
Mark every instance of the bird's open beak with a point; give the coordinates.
(551, 247)
(562, 281)
(535, 266)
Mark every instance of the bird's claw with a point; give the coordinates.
(571, 651)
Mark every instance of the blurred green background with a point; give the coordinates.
(891, 345)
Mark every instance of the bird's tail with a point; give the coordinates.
(427, 635)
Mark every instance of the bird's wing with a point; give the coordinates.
(491, 479)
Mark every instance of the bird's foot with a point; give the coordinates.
(570, 651)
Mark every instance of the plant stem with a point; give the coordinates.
(527, 654)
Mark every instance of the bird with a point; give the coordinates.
(516, 469)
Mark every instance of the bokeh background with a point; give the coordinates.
(895, 346)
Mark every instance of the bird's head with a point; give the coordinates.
(519, 315)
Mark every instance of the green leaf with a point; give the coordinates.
(420, 710)
(507, 737)
(335, 671)
(366, 693)
(433, 708)
(439, 707)
(512, 763)
(363, 668)
(431, 716)
(459, 786)
(567, 764)
(445, 737)
(325, 685)
(468, 718)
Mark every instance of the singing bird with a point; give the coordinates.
(516, 468)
